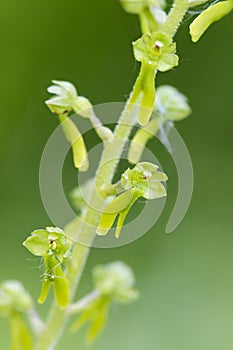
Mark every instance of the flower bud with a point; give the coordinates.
(13, 296)
(66, 99)
(137, 6)
(171, 103)
(115, 280)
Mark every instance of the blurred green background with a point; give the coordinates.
(186, 278)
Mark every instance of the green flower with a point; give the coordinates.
(142, 181)
(113, 282)
(145, 179)
(14, 302)
(51, 241)
(171, 103)
(55, 248)
(13, 297)
(157, 50)
(66, 99)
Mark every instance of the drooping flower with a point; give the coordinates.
(156, 52)
(113, 283)
(144, 180)
(15, 302)
(171, 103)
(55, 247)
(66, 100)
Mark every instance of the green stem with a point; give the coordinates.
(144, 23)
(82, 304)
(175, 17)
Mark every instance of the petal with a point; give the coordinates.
(158, 176)
(212, 14)
(37, 245)
(61, 288)
(149, 167)
(46, 285)
(21, 337)
(167, 62)
(155, 190)
(119, 203)
(67, 86)
(99, 321)
(111, 211)
(105, 223)
(75, 138)
(148, 93)
(56, 90)
(124, 214)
